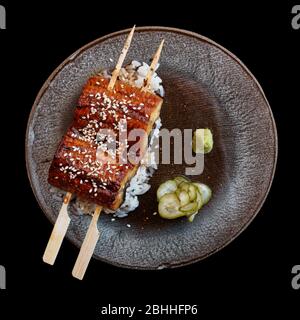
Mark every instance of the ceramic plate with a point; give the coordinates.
(206, 86)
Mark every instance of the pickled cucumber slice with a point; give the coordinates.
(183, 197)
(168, 207)
(191, 218)
(199, 200)
(204, 190)
(180, 179)
(184, 186)
(167, 187)
(192, 192)
(189, 208)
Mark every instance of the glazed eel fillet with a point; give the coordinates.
(77, 165)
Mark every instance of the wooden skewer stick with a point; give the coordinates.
(92, 236)
(63, 220)
(152, 67)
(121, 59)
(88, 246)
(58, 232)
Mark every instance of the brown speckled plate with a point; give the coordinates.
(206, 86)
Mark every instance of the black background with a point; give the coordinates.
(255, 269)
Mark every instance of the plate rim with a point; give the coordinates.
(199, 37)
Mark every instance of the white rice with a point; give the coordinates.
(136, 72)
(133, 73)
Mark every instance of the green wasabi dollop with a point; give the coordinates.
(202, 141)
